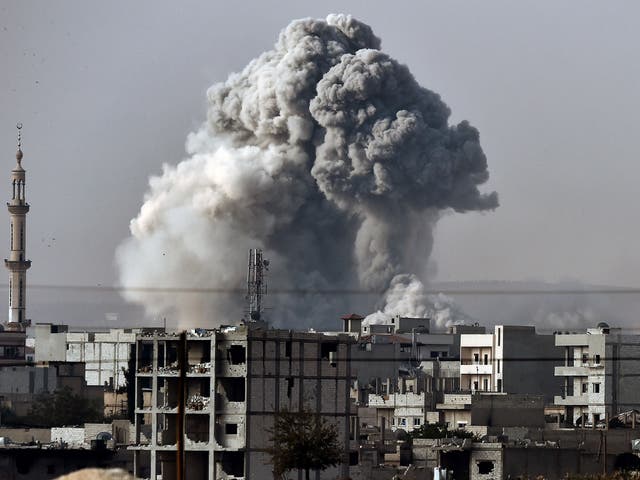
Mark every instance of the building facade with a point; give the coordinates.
(599, 374)
(105, 354)
(224, 394)
(511, 359)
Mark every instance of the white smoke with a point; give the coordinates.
(324, 152)
(408, 297)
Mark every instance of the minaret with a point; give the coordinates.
(16, 263)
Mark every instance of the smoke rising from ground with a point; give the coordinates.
(326, 153)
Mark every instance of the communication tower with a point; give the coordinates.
(256, 283)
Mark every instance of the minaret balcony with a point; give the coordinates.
(17, 265)
(17, 208)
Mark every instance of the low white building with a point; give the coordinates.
(406, 411)
(599, 374)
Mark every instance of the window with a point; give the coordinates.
(597, 359)
(475, 385)
(596, 388)
(416, 422)
(393, 421)
(499, 335)
(498, 365)
(585, 387)
(326, 348)
(486, 359)
(287, 349)
(585, 358)
(485, 467)
(476, 358)
(236, 354)
(231, 428)
(485, 384)
(500, 385)
(403, 422)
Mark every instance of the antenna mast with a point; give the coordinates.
(256, 283)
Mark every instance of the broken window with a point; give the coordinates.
(233, 463)
(485, 467)
(231, 428)
(326, 348)
(290, 381)
(232, 388)
(236, 354)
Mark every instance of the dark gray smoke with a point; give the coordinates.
(323, 151)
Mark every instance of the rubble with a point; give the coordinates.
(198, 402)
(204, 367)
(171, 368)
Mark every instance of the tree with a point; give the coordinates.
(63, 407)
(303, 440)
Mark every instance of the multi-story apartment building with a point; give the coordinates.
(208, 397)
(511, 359)
(599, 374)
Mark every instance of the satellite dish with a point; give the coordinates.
(106, 436)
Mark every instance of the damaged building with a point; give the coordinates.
(207, 398)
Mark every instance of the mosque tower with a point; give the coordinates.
(16, 263)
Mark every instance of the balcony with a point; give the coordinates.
(575, 371)
(571, 400)
(476, 369)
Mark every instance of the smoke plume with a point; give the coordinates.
(326, 153)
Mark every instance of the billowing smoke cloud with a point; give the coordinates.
(407, 297)
(326, 153)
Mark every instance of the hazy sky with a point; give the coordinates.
(107, 92)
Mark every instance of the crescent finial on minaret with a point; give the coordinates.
(19, 152)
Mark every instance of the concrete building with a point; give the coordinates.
(106, 354)
(511, 359)
(599, 374)
(12, 347)
(223, 387)
(17, 263)
(19, 385)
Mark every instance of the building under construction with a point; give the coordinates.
(205, 399)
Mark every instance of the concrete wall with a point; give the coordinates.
(506, 410)
(25, 435)
(529, 363)
(70, 435)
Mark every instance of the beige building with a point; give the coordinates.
(219, 406)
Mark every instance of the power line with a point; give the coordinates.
(337, 291)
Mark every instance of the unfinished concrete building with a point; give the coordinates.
(222, 389)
